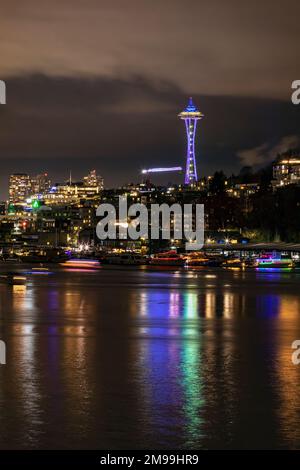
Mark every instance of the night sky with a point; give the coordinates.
(99, 84)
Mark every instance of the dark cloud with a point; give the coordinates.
(215, 47)
(265, 153)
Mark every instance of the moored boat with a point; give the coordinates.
(131, 259)
(233, 263)
(169, 258)
(274, 261)
(196, 259)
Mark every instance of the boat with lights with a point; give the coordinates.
(196, 259)
(170, 258)
(81, 264)
(233, 263)
(274, 261)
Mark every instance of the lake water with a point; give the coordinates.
(141, 358)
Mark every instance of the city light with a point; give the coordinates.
(36, 204)
(161, 170)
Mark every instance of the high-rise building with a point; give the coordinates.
(190, 116)
(41, 184)
(20, 187)
(93, 180)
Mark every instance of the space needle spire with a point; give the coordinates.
(190, 116)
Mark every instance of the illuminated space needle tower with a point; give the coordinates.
(190, 116)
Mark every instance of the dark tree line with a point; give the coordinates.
(272, 214)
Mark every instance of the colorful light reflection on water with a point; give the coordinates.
(135, 359)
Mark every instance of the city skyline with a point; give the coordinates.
(259, 156)
(283, 170)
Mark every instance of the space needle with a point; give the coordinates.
(190, 116)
